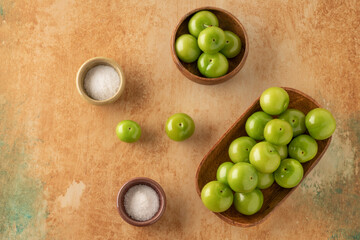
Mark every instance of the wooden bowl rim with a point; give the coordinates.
(204, 79)
(238, 224)
(145, 181)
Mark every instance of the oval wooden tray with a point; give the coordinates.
(274, 195)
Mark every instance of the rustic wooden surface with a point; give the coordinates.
(61, 164)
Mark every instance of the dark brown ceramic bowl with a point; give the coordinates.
(144, 181)
(227, 21)
(274, 195)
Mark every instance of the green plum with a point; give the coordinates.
(187, 49)
(274, 100)
(211, 40)
(213, 65)
(264, 157)
(255, 125)
(222, 172)
(282, 150)
(242, 177)
(265, 180)
(179, 127)
(201, 20)
(296, 119)
(320, 123)
(278, 132)
(232, 45)
(217, 196)
(289, 173)
(128, 131)
(248, 203)
(303, 148)
(240, 148)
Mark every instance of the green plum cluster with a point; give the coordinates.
(273, 151)
(207, 44)
(178, 127)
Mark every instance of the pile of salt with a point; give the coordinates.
(101, 82)
(141, 202)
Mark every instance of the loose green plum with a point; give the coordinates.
(274, 100)
(242, 177)
(264, 157)
(201, 20)
(282, 150)
(289, 173)
(320, 123)
(255, 125)
(211, 40)
(296, 119)
(303, 148)
(222, 172)
(265, 180)
(232, 45)
(187, 49)
(278, 132)
(217, 196)
(213, 65)
(179, 127)
(248, 203)
(240, 148)
(128, 131)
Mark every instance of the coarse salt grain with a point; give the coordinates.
(101, 82)
(141, 202)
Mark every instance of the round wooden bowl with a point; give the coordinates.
(143, 181)
(227, 21)
(81, 74)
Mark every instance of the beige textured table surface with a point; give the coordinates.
(61, 164)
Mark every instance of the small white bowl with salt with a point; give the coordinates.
(100, 81)
(141, 201)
